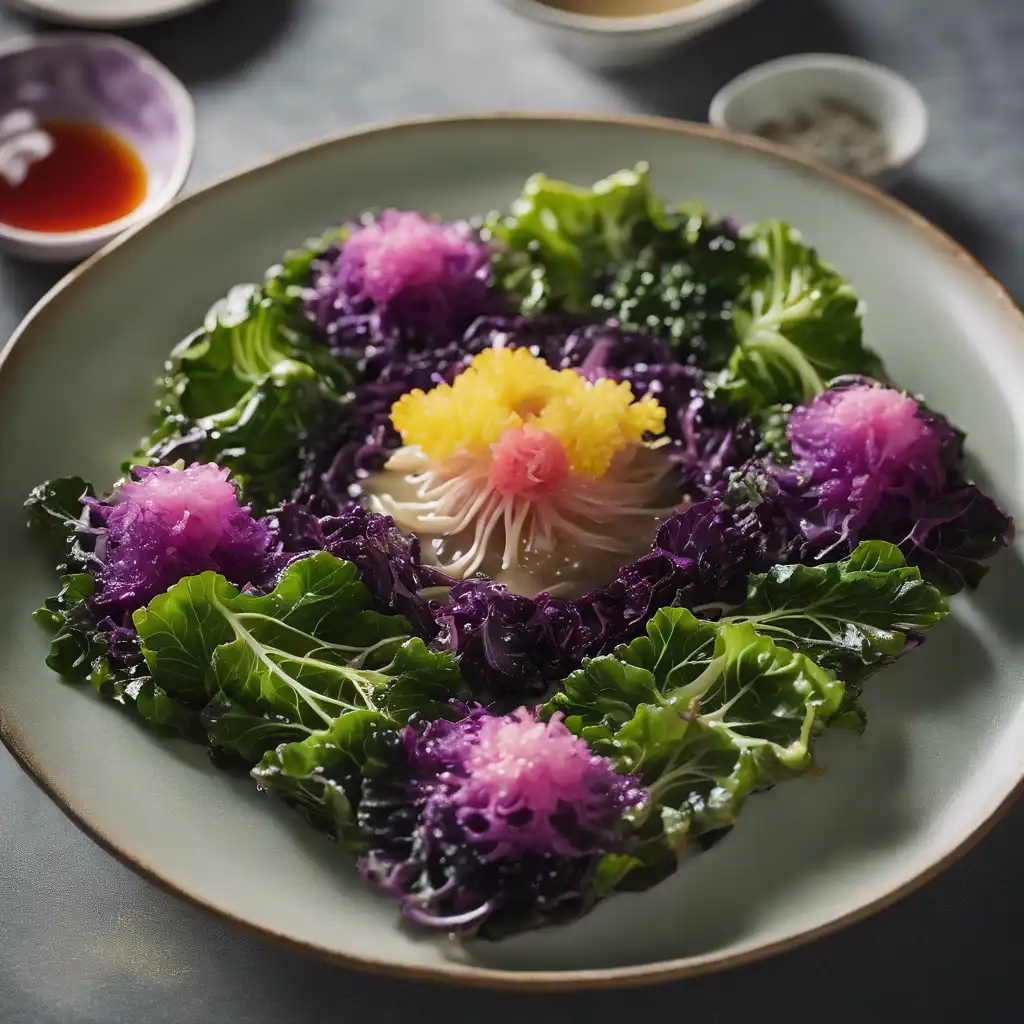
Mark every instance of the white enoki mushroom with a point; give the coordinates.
(455, 495)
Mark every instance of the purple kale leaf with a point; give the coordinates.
(700, 558)
(388, 560)
(707, 438)
(400, 275)
(164, 524)
(492, 819)
(869, 463)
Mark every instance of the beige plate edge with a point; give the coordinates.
(535, 981)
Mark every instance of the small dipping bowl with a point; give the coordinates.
(615, 43)
(104, 82)
(782, 87)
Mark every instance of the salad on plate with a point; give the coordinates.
(517, 553)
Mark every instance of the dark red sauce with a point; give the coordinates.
(90, 178)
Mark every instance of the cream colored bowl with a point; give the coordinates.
(621, 42)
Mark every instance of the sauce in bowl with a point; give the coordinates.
(88, 178)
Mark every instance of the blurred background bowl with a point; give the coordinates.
(778, 88)
(622, 42)
(106, 13)
(113, 84)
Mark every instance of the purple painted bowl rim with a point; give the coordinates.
(186, 139)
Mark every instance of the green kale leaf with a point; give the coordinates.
(271, 667)
(250, 388)
(851, 616)
(322, 775)
(231, 728)
(683, 286)
(757, 307)
(55, 507)
(559, 240)
(134, 689)
(76, 642)
(705, 713)
(797, 323)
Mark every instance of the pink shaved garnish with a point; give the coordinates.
(522, 775)
(169, 523)
(527, 463)
(879, 427)
(529, 760)
(403, 249)
(198, 501)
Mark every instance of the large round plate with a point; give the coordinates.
(107, 13)
(942, 754)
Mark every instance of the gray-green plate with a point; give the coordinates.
(943, 750)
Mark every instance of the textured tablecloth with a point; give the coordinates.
(83, 939)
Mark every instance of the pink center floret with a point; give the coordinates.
(403, 250)
(527, 463)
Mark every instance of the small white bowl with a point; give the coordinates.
(106, 13)
(100, 80)
(781, 87)
(622, 42)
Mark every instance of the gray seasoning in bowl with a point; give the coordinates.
(835, 132)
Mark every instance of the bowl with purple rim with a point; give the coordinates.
(103, 81)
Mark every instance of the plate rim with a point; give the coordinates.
(41, 9)
(469, 975)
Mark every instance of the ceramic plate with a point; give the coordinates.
(109, 13)
(942, 754)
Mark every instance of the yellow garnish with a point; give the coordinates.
(505, 388)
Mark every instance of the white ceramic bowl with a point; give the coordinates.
(106, 13)
(621, 42)
(98, 80)
(779, 87)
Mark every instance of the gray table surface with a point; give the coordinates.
(83, 939)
